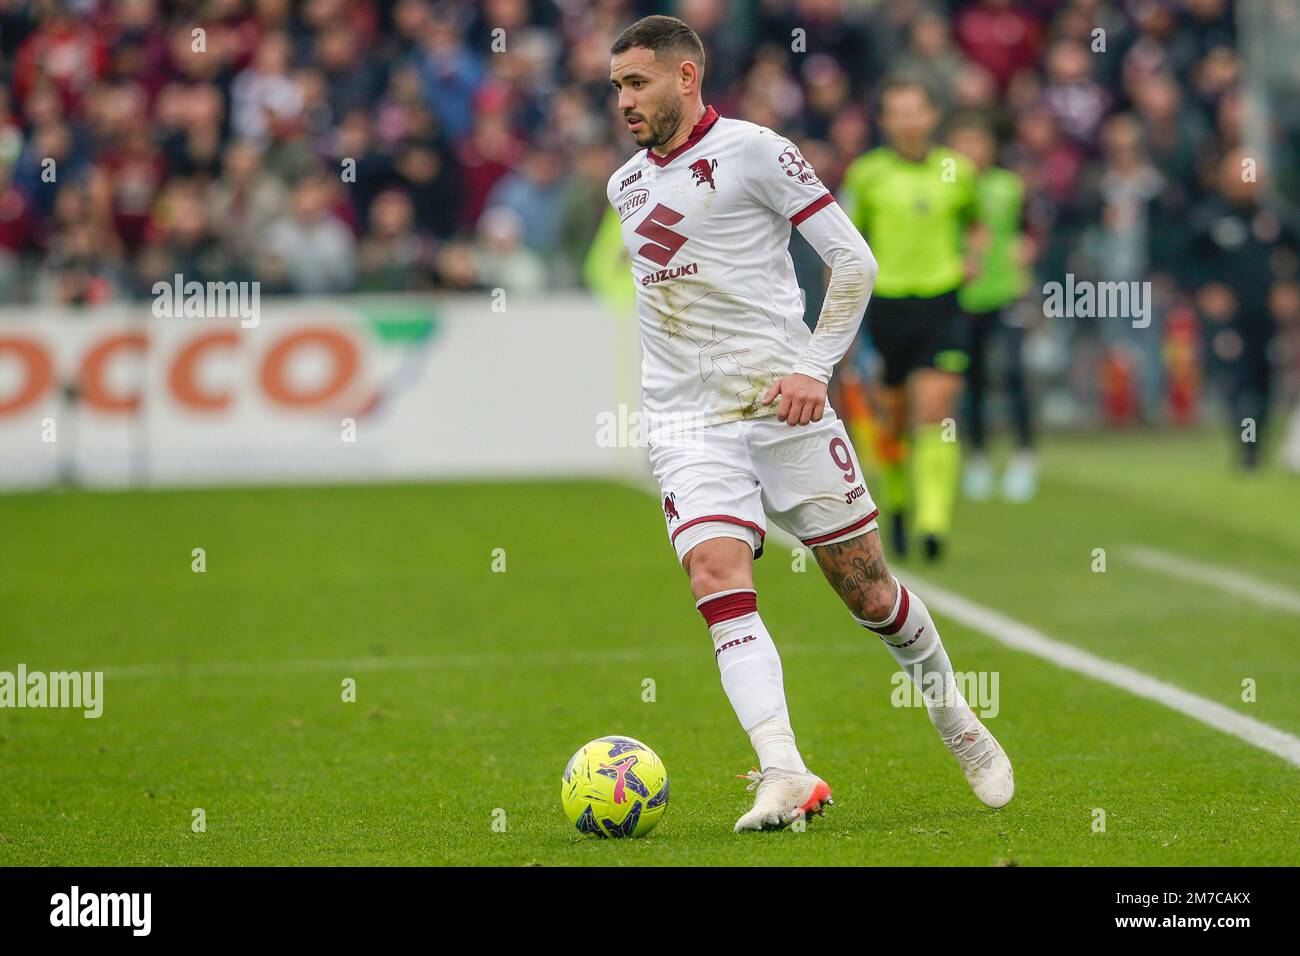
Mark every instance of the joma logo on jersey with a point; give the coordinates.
(664, 243)
(629, 181)
(702, 172)
(676, 272)
(730, 644)
(631, 203)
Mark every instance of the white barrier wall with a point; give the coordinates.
(319, 390)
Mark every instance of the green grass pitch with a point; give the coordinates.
(223, 689)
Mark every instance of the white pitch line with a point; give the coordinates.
(1022, 637)
(1025, 638)
(1216, 576)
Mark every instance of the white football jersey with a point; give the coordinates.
(707, 228)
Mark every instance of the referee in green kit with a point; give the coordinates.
(914, 203)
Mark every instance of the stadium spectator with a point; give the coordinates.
(245, 201)
(455, 267)
(501, 260)
(64, 50)
(582, 207)
(183, 239)
(1077, 101)
(83, 264)
(535, 193)
(450, 71)
(392, 256)
(932, 56)
(1000, 37)
(353, 80)
(316, 249)
(491, 151)
(194, 146)
(429, 176)
(265, 91)
(1244, 265)
(17, 228)
(1116, 249)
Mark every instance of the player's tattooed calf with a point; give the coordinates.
(857, 571)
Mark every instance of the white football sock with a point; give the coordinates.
(912, 638)
(751, 675)
(774, 744)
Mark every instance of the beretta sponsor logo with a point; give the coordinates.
(632, 202)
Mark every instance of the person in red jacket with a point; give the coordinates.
(1001, 38)
(65, 50)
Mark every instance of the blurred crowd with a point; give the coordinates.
(363, 145)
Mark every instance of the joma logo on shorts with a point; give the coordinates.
(730, 644)
(858, 492)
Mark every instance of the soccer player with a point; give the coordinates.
(914, 202)
(735, 393)
(989, 298)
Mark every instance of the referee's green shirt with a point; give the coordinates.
(913, 215)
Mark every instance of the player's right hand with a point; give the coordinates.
(803, 399)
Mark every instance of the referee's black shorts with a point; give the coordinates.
(918, 332)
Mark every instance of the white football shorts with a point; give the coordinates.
(721, 481)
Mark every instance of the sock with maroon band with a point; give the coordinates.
(912, 638)
(751, 675)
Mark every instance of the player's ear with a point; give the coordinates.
(688, 76)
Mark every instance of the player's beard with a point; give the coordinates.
(661, 127)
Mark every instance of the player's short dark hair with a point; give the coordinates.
(904, 81)
(662, 35)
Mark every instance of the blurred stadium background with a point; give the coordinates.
(418, 189)
(479, 137)
(480, 164)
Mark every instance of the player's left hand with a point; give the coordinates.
(803, 399)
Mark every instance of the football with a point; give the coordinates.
(614, 787)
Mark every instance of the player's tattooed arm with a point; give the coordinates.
(857, 571)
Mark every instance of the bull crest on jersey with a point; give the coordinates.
(702, 172)
(670, 508)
